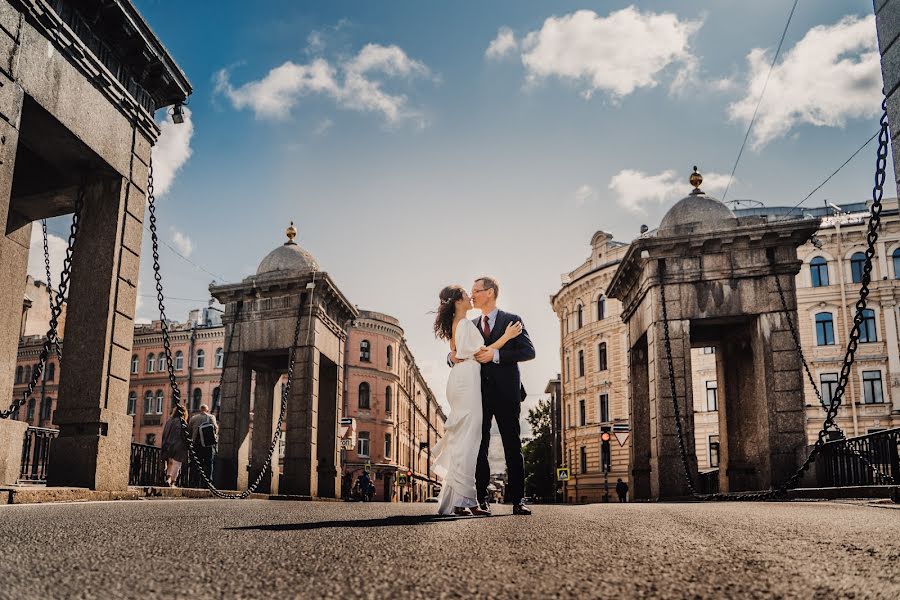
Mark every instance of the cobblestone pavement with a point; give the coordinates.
(271, 549)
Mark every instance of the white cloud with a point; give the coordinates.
(323, 127)
(617, 54)
(182, 242)
(637, 191)
(583, 194)
(831, 75)
(57, 249)
(352, 84)
(172, 150)
(505, 43)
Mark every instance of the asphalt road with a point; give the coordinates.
(268, 549)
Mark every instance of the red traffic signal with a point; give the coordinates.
(605, 436)
(409, 473)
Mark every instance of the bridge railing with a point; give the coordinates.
(708, 482)
(149, 469)
(872, 459)
(36, 454)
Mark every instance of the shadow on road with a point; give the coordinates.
(398, 521)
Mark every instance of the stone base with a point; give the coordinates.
(83, 457)
(12, 436)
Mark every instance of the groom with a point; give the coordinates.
(501, 393)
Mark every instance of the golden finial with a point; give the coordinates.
(291, 233)
(696, 179)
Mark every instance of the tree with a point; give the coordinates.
(540, 481)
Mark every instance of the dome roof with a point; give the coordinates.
(697, 208)
(288, 257)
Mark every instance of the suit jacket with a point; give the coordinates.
(503, 378)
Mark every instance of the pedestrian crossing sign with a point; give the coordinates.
(562, 474)
(401, 479)
(368, 467)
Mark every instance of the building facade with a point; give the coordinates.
(594, 360)
(398, 419)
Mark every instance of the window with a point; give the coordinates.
(867, 332)
(217, 401)
(201, 359)
(712, 396)
(161, 363)
(818, 270)
(387, 446)
(51, 371)
(872, 390)
(601, 356)
(827, 385)
(46, 409)
(579, 316)
(825, 329)
(709, 350)
(132, 402)
(150, 440)
(160, 400)
(583, 460)
(362, 443)
(713, 451)
(196, 399)
(896, 260)
(365, 351)
(148, 403)
(135, 362)
(29, 415)
(19, 372)
(856, 266)
(220, 357)
(27, 374)
(601, 308)
(582, 413)
(364, 395)
(604, 408)
(15, 413)
(581, 363)
(568, 368)
(151, 362)
(179, 360)
(387, 399)
(390, 356)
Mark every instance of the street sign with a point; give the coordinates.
(562, 474)
(622, 436)
(368, 467)
(347, 433)
(346, 444)
(401, 479)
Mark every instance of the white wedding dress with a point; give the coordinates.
(456, 454)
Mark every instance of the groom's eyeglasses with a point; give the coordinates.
(476, 291)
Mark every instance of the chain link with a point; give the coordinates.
(176, 392)
(52, 339)
(49, 277)
(832, 409)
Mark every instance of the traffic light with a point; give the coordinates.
(605, 453)
(409, 474)
(605, 437)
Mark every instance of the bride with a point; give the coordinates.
(456, 454)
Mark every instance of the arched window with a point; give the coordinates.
(135, 362)
(220, 357)
(390, 356)
(365, 350)
(824, 329)
(148, 403)
(51, 372)
(179, 360)
(896, 258)
(46, 409)
(196, 399)
(856, 266)
(601, 308)
(160, 400)
(161, 362)
(201, 359)
(579, 316)
(601, 357)
(216, 401)
(151, 362)
(19, 372)
(364, 395)
(29, 416)
(818, 270)
(387, 399)
(132, 402)
(27, 373)
(867, 331)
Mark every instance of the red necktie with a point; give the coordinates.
(486, 328)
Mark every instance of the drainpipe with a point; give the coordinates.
(850, 388)
(190, 377)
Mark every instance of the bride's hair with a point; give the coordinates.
(443, 323)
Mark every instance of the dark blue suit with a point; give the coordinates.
(501, 397)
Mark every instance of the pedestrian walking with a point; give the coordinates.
(622, 490)
(174, 446)
(205, 437)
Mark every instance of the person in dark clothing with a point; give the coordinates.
(622, 490)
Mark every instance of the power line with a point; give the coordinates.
(763, 93)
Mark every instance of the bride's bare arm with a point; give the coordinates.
(513, 330)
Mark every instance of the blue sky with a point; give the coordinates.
(410, 157)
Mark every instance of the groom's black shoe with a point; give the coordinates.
(521, 509)
(484, 509)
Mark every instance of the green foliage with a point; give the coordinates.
(540, 481)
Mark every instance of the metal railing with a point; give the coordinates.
(149, 469)
(872, 459)
(708, 482)
(36, 454)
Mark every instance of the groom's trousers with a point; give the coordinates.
(506, 409)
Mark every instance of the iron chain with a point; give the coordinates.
(49, 277)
